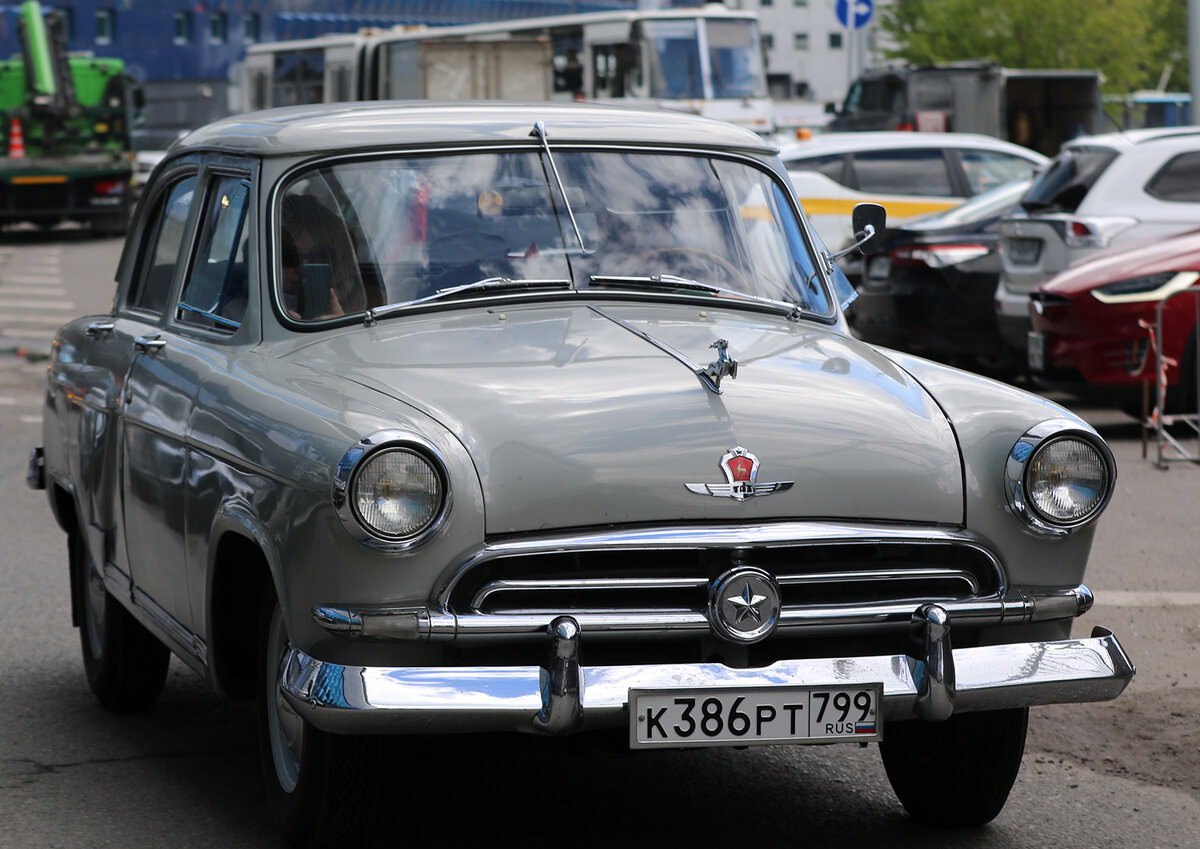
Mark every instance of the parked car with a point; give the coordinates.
(931, 293)
(417, 418)
(1101, 192)
(911, 174)
(1087, 323)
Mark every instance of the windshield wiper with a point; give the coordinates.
(487, 284)
(671, 282)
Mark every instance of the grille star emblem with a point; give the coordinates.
(744, 604)
(747, 604)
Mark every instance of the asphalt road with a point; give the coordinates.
(1121, 774)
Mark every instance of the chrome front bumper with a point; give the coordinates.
(930, 681)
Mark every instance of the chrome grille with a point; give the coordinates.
(636, 579)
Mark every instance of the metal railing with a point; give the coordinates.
(1176, 433)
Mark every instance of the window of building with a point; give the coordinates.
(835, 41)
(800, 41)
(768, 41)
(766, 2)
(217, 28)
(183, 27)
(250, 26)
(105, 26)
(800, 2)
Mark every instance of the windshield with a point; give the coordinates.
(1068, 179)
(359, 235)
(735, 58)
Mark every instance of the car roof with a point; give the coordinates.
(1131, 138)
(320, 128)
(822, 144)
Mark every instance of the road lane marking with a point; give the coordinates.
(1145, 598)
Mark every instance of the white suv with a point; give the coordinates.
(1100, 192)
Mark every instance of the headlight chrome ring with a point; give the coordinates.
(1059, 477)
(391, 490)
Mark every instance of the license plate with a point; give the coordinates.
(1036, 346)
(1023, 251)
(750, 716)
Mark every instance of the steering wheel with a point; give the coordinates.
(697, 257)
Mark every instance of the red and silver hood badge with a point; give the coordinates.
(741, 473)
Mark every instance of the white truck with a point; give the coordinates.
(364, 66)
(1036, 108)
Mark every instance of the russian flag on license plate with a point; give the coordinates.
(864, 728)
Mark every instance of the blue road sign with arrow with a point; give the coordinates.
(855, 13)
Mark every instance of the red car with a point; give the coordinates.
(1088, 322)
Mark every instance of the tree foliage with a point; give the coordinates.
(1129, 41)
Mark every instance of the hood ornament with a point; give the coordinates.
(721, 366)
(741, 473)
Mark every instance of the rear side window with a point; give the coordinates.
(1064, 185)
(831, 165)
(1178, 180)
(916, 171)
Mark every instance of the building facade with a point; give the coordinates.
(188, 53)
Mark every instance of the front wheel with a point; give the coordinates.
(958, 772)
(126, 665)
(321, 787)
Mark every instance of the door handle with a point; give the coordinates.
(147, 345)
(98, 327)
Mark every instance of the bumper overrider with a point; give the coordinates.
(931, 680)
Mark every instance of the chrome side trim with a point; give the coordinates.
(355, 699)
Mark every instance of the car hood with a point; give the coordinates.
(1154, 256)
(574, 418)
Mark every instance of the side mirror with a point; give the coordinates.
(831, 108)
(869, 222)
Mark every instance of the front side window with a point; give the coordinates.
(988, 169)
(215, 294)
(735, 56)
(162, 249)
(360, 235)
(675, 70)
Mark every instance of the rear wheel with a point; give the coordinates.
(126, 665)
(321, 787)
(958, 772)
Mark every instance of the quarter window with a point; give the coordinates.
(216, 291)
(161, 251)
(1178, 180)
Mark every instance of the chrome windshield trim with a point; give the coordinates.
(539, 132)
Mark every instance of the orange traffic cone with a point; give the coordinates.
(16, 141)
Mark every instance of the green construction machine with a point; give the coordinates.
(66, 122)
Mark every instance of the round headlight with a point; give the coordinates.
(1067, 481)
(1059, 476)
(397, 493)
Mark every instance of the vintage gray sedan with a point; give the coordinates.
(416, 418)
